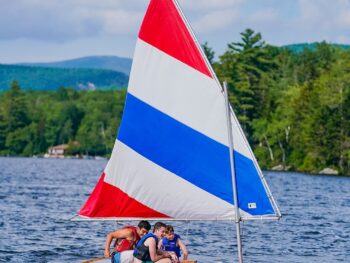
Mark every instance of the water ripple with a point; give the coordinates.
(38, 196)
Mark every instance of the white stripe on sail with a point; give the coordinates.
(172, 87)
(181, 92)
(162, 190)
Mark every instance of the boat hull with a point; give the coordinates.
(97, 260)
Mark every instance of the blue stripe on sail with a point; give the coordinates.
(250, 188)
(191, 155)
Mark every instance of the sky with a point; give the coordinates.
(54, 30)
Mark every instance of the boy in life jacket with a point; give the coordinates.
(146, 250)
(172, 242)
(126, 239)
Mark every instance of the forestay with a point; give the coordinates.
(171, 156)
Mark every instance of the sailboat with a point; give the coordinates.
(180, 153)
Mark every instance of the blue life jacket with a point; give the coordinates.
(141, 251)
(171, 245)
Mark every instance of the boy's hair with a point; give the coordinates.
(169, 229)
(144, 224)
(158, 225)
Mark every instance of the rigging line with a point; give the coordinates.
(242, 226)
(256, 164)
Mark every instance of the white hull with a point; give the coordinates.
(97, 260)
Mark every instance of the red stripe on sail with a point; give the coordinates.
(109, 201)
(164, 28)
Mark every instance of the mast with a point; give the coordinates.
(234, 186)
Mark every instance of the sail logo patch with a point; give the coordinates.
(251, 205)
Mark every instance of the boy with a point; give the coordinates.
(147, 251)
(172, 242)
(126, 240)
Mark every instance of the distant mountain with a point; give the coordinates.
(297, 48)
(92, 62)
(46, 78)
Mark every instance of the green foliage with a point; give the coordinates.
(209, 52)
(16, 108)
(298, 48)
(293, 106)
(86, 120)
(3, 128)
(246, 66)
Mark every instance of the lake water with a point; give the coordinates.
(39, 196)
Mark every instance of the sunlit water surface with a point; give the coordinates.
(39, 196)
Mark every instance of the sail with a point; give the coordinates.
(171, 157)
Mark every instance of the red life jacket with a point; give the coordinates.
(125, 244)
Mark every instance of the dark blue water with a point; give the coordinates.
(39, 196)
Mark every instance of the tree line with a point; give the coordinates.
(32, 121)
(294, 108)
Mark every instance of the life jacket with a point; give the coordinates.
(126, 244)
(141, 251)
(171, 245)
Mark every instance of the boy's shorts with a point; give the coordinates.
(122, 257)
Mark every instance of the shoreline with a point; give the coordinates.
(88, 157)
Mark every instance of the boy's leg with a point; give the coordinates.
(127, 256)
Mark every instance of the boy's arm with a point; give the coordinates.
(183, 248)
(160, 244)
(122, 233)
(151, 243)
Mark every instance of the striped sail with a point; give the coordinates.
(171, 156)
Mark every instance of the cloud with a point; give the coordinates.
(209, 4)
(213, 21)
(323, 15)
(322, 20)
(343, 19)
(66, 27)
(208, 16)
(343, 39)
(314, 14)
(60, 20)
(66, 20)
(267, 15)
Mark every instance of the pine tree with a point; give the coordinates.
(16, 108)
(245, 66)
(208, 51)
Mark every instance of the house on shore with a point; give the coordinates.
(57, 151)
